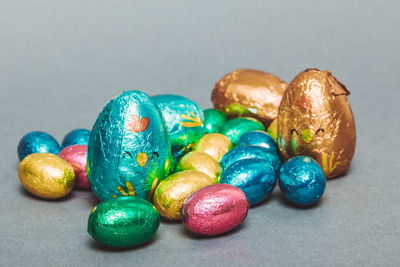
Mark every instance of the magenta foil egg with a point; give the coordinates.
(215, 209)
(76, 156)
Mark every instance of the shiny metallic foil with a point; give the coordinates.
(315, 119)
(184, 120)
(213, 120)
(37, 142)
(234, 128)
(76, 156)
(214, 144)
(273, 129)
(123, 222)
(302, 181)
(76, 137)
(250, 152)
(256, 177)
(129, 150)
(202, 162)
(247, 92)
(259, 138)
(172, 192)
(46, 175)
(215, 209)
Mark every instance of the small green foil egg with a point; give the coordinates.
(213, 120)
(123, 222)
(234, 129)
(184, 121)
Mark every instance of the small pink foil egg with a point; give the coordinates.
(215, 209)
(76, 156)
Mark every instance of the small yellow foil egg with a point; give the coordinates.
(172, 192)
(214, 144)
(46, 175)
(200, 161)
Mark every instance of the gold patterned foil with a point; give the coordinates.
(202, 162)
(46, 175)
(247, 92)
(315, 119)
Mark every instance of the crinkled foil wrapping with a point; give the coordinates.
(129, 150)
(247, 92)
(315, 119)
(202, 162)
(46, 175)
(184, 120)
(172, 192)
(215, 209)
(123, 222)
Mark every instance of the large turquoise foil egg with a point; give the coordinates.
(184, 120)
(129, 149)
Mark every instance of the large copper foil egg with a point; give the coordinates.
(315, 119)
(247, 92)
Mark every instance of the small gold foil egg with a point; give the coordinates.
(247, 92)
(46, 175)
(213, 144)
(172, 192)
(315, 119)
(202, 162)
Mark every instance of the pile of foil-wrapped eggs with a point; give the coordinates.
(163, 155)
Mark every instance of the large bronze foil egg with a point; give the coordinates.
(315, 119)
(251, 93)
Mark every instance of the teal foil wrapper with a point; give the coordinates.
(184, 120)
(129, 150)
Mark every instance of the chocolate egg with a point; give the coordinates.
(273, 129)
(202, 162)
(213, 144)
(76, 156)
(184, 120)
(259, 138)
(315, 119)
(123, 222)
(234, 128)
(247, 92)
(213, 120)
(250, 152)
(255, 177)
(172, 192)
(76, 137)
(215, 209)
(129, 149)
(302, 181)
(46, 175)
(37, 142)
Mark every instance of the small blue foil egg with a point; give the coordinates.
(255, 177)
(76, 137)
(250, 152)
(258, 138)
(302, 181)
(37, 142)
(184, 120)
(129, 150)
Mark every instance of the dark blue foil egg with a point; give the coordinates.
(258, 138)
(37, 142)
(76, 137)
(302, 181)
(255, 177)
(250, 152)
(184, 120)
(129, 150)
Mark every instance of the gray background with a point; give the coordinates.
(61, 62)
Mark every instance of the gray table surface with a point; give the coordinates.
(60, 62)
